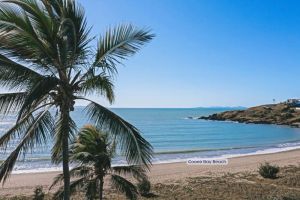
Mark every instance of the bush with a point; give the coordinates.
(38, 193)
(268, 171)
(144, 187)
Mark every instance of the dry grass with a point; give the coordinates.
(249, 186)
(235, 186)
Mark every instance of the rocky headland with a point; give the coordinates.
(280, 114)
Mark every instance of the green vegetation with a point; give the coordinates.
(94, 150)
(230, 186)
(144, 187)
(281, 114)
(38, 193)
(48, 60)
(268, 171)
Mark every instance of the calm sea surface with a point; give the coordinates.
(177, 137)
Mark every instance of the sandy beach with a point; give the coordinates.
(23, 184)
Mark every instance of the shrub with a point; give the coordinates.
(38, 193)
(268, 171)
(144, 187)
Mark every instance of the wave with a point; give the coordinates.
(270, 150)
(201, 150)
(43, 163)
(175, 139)
(37, 170)
(265, 151)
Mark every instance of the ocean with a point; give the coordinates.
(177, 135)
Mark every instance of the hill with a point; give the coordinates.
(281, 114)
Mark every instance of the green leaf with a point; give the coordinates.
(11, 102)
(75, 186)
(36, 134)
(39, 92)
(99, 84)
(123, 185)
(23, 38)
(16, 131)
(16, 76)
(138, 172)
(76, 172)
(119, 43)
(136, 149)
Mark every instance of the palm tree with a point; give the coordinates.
(93, 150)
(47, 59)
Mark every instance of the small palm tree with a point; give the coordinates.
(93, 151)
(48, 60)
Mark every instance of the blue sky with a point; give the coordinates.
(206, 52)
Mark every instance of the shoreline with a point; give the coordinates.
(270, 150)
(24, 184)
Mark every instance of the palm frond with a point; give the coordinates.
(42, 20)
(11, 102)
(50, 34)
(75, 186)
(124, 186)
(73, 28)
(83, 157)
(74, 13)
(16, 131)
(38, 92)
(72, 38)
(90, 140)
(136, 171)
(99, 84)
(20, 126)
(136, 149)
(68, 45)
(22, 37)
(76, 172)
(118, 44)
(36, 134)
(90, 147)
(16, 76)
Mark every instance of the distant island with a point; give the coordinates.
(286, 113)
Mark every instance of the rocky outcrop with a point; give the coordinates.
(281, 114)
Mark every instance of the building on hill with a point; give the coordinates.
(293, 102)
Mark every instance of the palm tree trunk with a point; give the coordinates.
(65, 152)
(101, 189)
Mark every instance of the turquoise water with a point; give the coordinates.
(177, 135)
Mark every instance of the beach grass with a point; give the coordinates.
(232, 186)
(242, 185)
